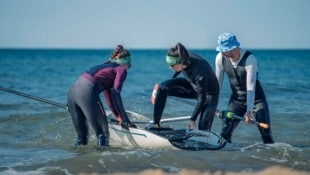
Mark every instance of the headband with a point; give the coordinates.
(172, 60)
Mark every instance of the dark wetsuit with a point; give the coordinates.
(238, 99)
(199, 83)
(84, 102)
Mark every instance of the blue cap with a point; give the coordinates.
(227, 42)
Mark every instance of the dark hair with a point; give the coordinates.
(119, 50)
(179, 51)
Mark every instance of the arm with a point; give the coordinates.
(118, 104)
(251, 69)
(201, 88)
(121, 74)
(108, 99)
(219, 70)
(120, 77)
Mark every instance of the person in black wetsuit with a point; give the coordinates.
(84, 102)
(247, 98)
(199, 82)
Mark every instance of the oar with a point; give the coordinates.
(173, 119)
(228, 114)
(65, 106)
(33, 97)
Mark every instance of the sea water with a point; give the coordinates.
(37, 138)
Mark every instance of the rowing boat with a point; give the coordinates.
(146, 136)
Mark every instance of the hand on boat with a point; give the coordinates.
(127, 125)
(119, 119)
(191, 124)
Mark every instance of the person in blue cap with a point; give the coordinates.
(248, 97)
(84, 102)
(199, 82)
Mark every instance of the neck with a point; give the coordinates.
(236, 55)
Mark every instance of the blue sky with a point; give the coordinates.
(153, 24)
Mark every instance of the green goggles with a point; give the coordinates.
(124, 61)
(172, 60)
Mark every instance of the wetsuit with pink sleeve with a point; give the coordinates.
(84, 102)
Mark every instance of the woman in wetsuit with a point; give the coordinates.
(247, 98)
(199, 82)
(83, 97)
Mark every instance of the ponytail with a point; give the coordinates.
(121, 56)
(116, 51)
(179, 51)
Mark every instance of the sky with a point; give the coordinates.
(258, 24)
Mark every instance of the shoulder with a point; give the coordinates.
(218, 59)
(120, 69)
(251, 58)
(194, 58)
(198, 61)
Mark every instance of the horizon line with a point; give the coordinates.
(136, 48)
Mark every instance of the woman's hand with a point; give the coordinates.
(248, 117)
(191, 124)
(119, 119)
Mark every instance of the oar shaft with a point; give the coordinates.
(174, 119)
(33, 97)
(227, 114)
(263, 125)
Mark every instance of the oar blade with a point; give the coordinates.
(263, 125)
(197, 140)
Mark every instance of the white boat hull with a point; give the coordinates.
(136, 137)
(161, 137)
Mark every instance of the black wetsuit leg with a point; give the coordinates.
(229, 124)
(208, 113)
(261, 114)
(178, 87)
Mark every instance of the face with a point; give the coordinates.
(177, 67)
(231, 54)
(228, 54)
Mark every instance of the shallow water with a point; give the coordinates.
(37, 138)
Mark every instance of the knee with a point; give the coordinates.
(164, 86)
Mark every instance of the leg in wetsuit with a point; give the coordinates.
(261, 114)
(208, 113)
(180, 87)
(84, 104)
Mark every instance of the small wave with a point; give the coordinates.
(39, 171)
(24, 157)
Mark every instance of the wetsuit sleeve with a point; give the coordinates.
(121, 74)
(251, 69)
(118, 103)
(219, 70)
(201, 87)
(108, 99)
